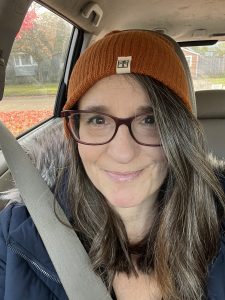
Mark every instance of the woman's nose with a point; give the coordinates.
(123, 147)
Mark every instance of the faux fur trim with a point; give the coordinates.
(47, 151)
(218, 164)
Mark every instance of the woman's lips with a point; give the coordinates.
(123, 177)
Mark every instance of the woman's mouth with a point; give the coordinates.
(123, 176)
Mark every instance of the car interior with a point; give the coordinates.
(198, 27)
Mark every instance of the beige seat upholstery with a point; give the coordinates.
(211, 114)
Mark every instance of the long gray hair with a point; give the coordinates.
(184, 237)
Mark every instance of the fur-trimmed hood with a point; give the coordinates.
(48, 149)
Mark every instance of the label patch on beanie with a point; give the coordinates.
(123, 64)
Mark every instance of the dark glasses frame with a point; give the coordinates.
(118, 121)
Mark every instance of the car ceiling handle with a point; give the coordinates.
(90, 10)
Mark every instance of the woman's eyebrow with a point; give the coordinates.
(98, 108)
(144, 109)
(105, 109)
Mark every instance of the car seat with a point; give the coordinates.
(211, 114)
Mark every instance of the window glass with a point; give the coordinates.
(34, 69)
(207, 65)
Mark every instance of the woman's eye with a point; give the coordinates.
(97, 120)
(148, 120)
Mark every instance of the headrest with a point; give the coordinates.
(210, 104)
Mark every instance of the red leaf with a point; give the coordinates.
(28, 23)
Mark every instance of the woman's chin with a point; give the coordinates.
(123, 201)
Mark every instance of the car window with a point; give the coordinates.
(207, 65)
(34, 69)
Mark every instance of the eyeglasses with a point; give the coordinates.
(97, 128)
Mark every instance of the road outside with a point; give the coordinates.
(22, 103)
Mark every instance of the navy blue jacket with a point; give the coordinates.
(27, 273)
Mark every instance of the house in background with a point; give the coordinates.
(21, 66)
(192, 58)
(24, 65)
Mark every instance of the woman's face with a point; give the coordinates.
(126, 173)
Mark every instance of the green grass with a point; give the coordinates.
(31, 89)
(218, 80)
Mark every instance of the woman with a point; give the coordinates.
(137, 184)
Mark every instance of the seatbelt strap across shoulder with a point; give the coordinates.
(68, 255)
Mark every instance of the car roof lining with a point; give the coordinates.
(182, 20)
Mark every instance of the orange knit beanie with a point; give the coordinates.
(130, 51)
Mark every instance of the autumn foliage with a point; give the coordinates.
(28, 23)
(20, 121)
